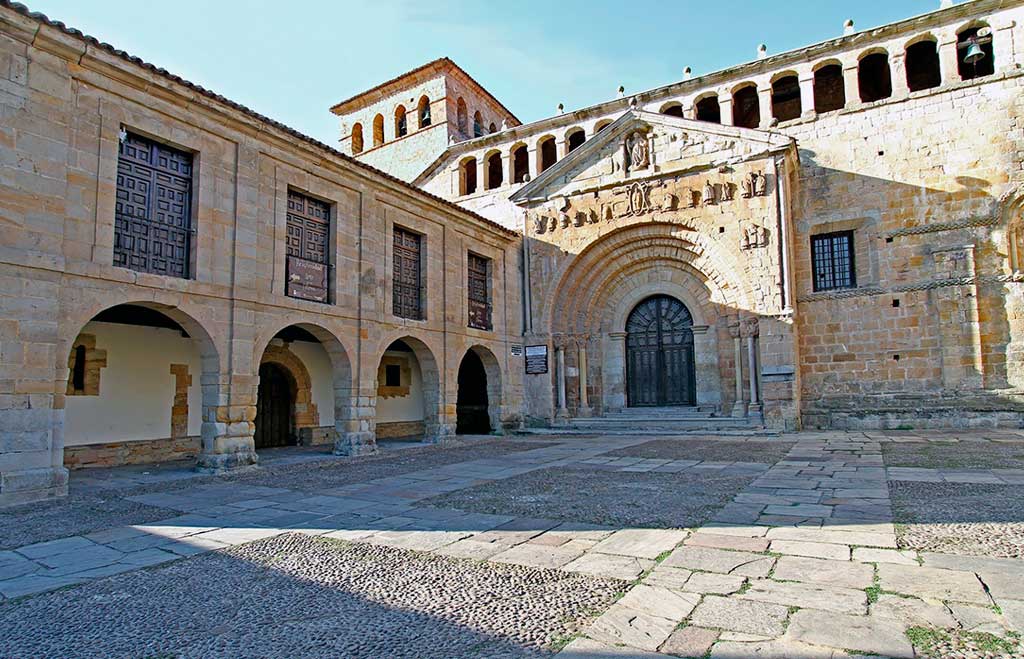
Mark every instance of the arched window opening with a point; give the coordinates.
(746, 109)
(547, 153)
(874, 78)
(494, 171)
(708, 109)
(401, 125)
(378, 130)
(922, 63)
(520, 164)
(423, 111)
(461, 115)
(786, 98)
(478, 125)
(576, 140)
(357, 138)
(975, 57)
(829, 88)
(673, 110)
(467, 176)
(601, 124)
(1015, 246)
(492, 128)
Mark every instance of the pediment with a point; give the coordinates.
(642, 145)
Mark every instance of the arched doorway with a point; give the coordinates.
(659, 354)
(275, 400)
(472, 417)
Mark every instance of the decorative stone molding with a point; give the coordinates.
(937, 227)
(95, 360)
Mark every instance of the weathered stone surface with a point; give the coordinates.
(740, 615)
(668, 577)
(833, 573)
(658, 601)
(863, 633)
(709, 582)
(872, 555)
(625, 568)
(738, 543)
(778, 649)
(811, 549)
(641, 543)
(932, 583)
(808, 596)
(622, 625)
(689, 641)
(719, 560)
(911, 611)
(586, 648)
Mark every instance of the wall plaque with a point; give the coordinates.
(306, 279)
(536, 359)
(516, 349)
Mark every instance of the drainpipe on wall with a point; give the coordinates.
(781, 205)
(527, 304)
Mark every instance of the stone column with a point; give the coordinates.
(948, 60)
(585, 409)
(898, 75)
(563, 411)
(850, 83)
(764, 100)
(227, 430)
(725, 107)
(614, 372)
(481, 173)
(807, 95)
(751, 330)
(739, 407)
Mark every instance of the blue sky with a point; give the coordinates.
(293, 60)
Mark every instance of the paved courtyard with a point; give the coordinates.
(808, 545)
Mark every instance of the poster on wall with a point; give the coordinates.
(536, 359)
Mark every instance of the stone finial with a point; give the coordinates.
(620, 92)
(762, 51)
(633, 102)
(561, 108)
(848, 26)
(687, 73)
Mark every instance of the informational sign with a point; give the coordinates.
(516, 349)
(306, 279)
(536, 359)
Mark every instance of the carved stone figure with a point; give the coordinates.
(708, 195)
(754, 235)
(565, 220)
(552, 224)
(637, 155)
(760, 184)
(580, 218)
(638, 200)
(728, 191)
(747, 185)
(749, 326)
(540, 224)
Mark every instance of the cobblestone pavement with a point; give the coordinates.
(757, 450)
(804, 561)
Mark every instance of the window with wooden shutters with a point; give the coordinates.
(309, 229)
(832, 261)
(479, 300)
(153, 208)
(406, 277)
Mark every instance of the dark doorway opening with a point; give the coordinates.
(275, 400)
(659, 354)
(471, 406)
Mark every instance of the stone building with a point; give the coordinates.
(826, 238)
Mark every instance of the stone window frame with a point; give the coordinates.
(405, 370)
(864, 252)
(495, 272)
(842, 268)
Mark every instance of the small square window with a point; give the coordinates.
(392, 375)
(832, 261)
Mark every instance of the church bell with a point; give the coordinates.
(974, 54)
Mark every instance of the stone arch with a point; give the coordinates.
(786, 103)
(620, 248)
(350, 438)
(746, 105)
(519, 158)
(219, 435)
(1011, 216)
(601, 124)
(378, 130)
(546, 152)
(305, 414)
(985, 66)
(492, 369)
(672, 109)
(357, 138)
(874, 76)
(478, 124)
(423, 112)
(921, 61)
(829, 86)
(707, 108)
(467, 176)
(462, 116)
(574, 138)
(494, 170)
(437, 423)
(401, 122)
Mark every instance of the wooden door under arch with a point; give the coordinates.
(659, 354)
(275, 401)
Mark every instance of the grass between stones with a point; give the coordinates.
(932, 642)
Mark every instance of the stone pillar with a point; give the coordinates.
(227, 430)
(560, 147)
(807, 95)
(563, 411)
(1002, 45)
(614, 372)
(725, 107)
(764, 100)
(750, 329)
(354, 414)
(585, 409)
(898, 75)
(481, 173)
(531, 162)
(851, 72)
(705, 358)
(948, 60)
(739, 407)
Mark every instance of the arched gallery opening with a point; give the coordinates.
(407, 392)
(660, 367)
(134, 391)
(296, 396)
(478, 401)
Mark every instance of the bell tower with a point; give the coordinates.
(404, 124)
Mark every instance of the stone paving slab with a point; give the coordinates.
(808, 596)
(811, 549)
(622, 625)
(626, 568)
(932, 583)
(641, 543)
(738, 615)
(864, 634)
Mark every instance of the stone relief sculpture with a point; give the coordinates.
(754, 235)
(728, 191)
(760, 184)
(708, 195)
(637, 152)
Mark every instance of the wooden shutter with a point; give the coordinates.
(309, 227)
(479, 303)
(406, 275)
(153, 208)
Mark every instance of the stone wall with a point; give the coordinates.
(65, 105)
(147, 451)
